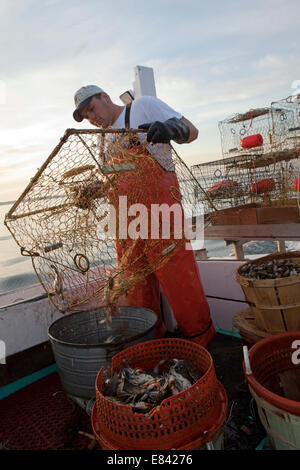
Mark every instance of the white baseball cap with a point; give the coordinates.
(82, 98)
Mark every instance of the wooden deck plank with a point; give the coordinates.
(253, 232)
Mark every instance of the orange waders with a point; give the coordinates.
(179, 276)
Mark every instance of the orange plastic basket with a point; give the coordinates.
(194, 445)
(268, 358)
(192, 415)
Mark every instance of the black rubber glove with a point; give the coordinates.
(163, 132)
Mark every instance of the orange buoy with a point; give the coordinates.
(255, 140)
(296, 185)
(263, 186)
(222, 185)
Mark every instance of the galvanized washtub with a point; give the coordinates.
(79, 348)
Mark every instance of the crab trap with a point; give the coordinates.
(266, 180)
(256, 132)
(85, 217)
(289, 111)
(260, 165)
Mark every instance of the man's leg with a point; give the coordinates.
(181, 282)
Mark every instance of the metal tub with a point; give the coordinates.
(79, 348)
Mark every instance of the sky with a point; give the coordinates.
(211, 59)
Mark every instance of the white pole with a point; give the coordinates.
(247, 360)
(210, 446)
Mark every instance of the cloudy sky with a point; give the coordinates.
(211, 59)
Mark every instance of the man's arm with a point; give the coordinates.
(180, 130)
(165, 124)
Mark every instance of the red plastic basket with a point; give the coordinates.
(268, 358)
(192, 415)
(194, 445)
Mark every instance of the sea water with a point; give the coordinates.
(16, 270)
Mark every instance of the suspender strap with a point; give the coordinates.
(133, 141)
(127, 116)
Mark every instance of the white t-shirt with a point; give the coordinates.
(149, 109)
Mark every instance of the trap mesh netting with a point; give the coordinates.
(269, 179)
(85, 218)
(289, 112)
(261, 130)
(260, 163)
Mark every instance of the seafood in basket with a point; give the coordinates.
(270, 269)
(144, 390)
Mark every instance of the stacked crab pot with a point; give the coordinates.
(186, 419)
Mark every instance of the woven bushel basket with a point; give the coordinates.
(195, 414)
(275, 303)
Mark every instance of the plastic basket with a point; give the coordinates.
(268, 358)
(274, 362)
(215, 438)
(192, 415)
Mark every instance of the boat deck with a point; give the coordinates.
(243, 429)
(41, 417)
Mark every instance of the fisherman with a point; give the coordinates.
(179, 277)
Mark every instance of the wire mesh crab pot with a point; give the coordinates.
(260, 162)
(269, 179)
(256, 132)
(69, 218)
(287, 111)
(190, 418)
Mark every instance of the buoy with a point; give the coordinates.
(263, 186)
(296, 185)
(255, 140)
(223, 184)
